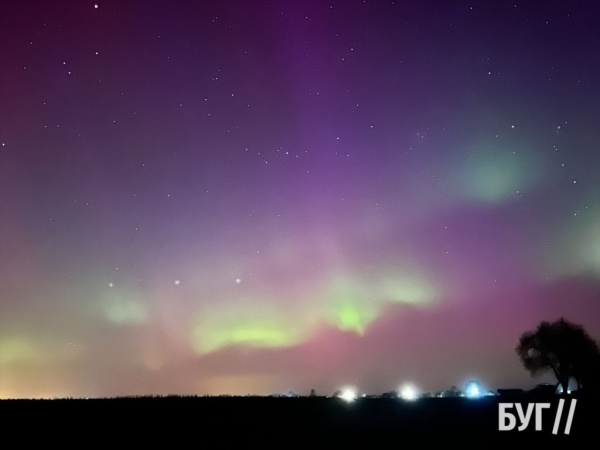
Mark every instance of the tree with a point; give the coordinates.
(563, 347)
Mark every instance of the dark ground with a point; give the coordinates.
(287, 422)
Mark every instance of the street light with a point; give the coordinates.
(348, 394)
(473, 390)
(408, 392)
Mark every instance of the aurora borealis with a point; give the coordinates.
(257, 196)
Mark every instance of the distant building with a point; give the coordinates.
(544, 389)
(510, 393)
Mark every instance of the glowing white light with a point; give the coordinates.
(238, 280)
(177, 282)
(473, 390)
(408, 392)
(348, 395)
(96, 6)
(110, 284)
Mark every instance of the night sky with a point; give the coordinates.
(257, 196)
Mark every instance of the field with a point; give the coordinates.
(289, 421)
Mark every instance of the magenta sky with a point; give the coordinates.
(252, 197)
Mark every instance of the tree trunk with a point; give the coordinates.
(564, 382)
